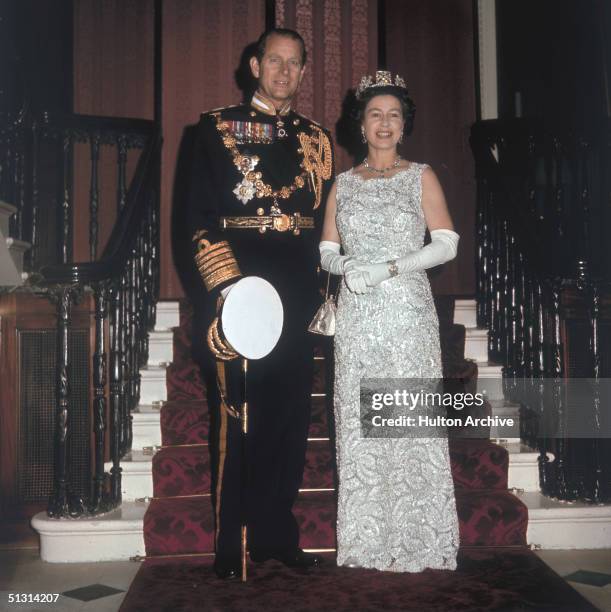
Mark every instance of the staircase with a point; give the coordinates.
(166, 479)
(11, 250)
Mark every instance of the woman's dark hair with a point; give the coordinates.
(408, 108)
(262, 42)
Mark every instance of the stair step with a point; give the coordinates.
(153, 384)
(476, 344)
(186, 526)
(187, 422)
(136, 475)
(179, 526)
(161, 347)
(319, 467)
(490, 380)
(491, 518)
(185, 470)
(185, 383)
(465, 313)
(523, 466)
(184, 380)
(182, 471)
(168, 315)
(478, 464)
(505, 409)
(316, 516)
(114, 536)
(145, 429)
(184, 422)
(566, 525)
(118, 535)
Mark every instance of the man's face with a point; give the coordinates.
(280, 71)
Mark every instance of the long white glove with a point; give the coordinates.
(331, 260)
(442, 248)
(356, 281)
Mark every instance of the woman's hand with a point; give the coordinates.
(374, 273)
(356, 280)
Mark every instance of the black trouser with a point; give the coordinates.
(278, 391)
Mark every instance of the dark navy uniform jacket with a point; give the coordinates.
(289, 262)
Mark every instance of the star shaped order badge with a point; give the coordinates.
(245, 191)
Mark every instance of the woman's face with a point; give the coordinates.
(383, 122)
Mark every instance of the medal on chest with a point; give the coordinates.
(316, 164)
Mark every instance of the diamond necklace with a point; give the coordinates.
(382, 170)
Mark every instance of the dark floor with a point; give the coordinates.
(22, 571)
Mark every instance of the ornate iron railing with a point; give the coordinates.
(543, 215)
(122, 282)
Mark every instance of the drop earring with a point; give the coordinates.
(363, 135)
(401, 138)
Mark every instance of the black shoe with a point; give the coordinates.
(227, 570)
(299, 559)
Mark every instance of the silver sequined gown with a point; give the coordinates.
(396, 506)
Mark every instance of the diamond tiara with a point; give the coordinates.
(382, 78)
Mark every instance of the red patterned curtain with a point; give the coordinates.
(342, 44)
(430, 43)
(202, 45)
(203, 41)
(113, 77)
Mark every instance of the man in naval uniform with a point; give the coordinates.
(261, 173)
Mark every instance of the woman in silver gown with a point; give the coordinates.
(396, 505)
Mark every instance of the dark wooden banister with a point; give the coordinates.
(124, 231)
(521, 145)
(543, 270)
(124, 282)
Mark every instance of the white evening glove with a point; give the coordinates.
(357, 281)
(331, 260)
(442, 248)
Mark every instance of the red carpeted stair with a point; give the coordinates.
(496, 571)
(179, 519)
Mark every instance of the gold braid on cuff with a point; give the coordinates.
(216, 263)
(220, 348)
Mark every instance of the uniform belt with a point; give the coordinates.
(278, 223)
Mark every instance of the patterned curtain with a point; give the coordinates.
(342, 45)
(203, 42)
(113, 77)
(430, 43)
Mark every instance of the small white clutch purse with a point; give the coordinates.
(323, 322)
